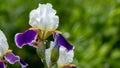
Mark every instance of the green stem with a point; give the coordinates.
(54, 65)
(45, 64)
(41, 53)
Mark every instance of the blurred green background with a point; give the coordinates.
(92, 26)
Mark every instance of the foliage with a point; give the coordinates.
(92, 26)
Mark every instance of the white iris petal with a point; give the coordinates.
(44, 17)
(3, 44)
(48, 53)
(65, 56)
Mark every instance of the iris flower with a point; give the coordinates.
(65, 50)
(6, 54)
(44, 22)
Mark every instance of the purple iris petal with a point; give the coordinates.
(25, 38)
(2, 65)
(23, 63)
(62, 41)
(11, 58)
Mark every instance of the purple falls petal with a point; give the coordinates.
(27, 37)
(2, 65)
(63, 42)
(23, 63)
(11, 58)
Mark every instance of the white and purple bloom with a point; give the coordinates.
(66, 53)
(6, 53)
(43, 21)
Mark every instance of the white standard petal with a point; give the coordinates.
(48, 53)
(65, 56)
(44, 17)
(3, 44)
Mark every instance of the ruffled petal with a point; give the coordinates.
(3, 44)
(2, 65)
(27, 37)
(11, 58)
(44, 17)
(23, 63)
(62, 41)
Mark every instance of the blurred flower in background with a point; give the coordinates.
(93, 27)
(7, 54)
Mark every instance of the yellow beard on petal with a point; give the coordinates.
(58, 31)
(8, 51)
(44, 34)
